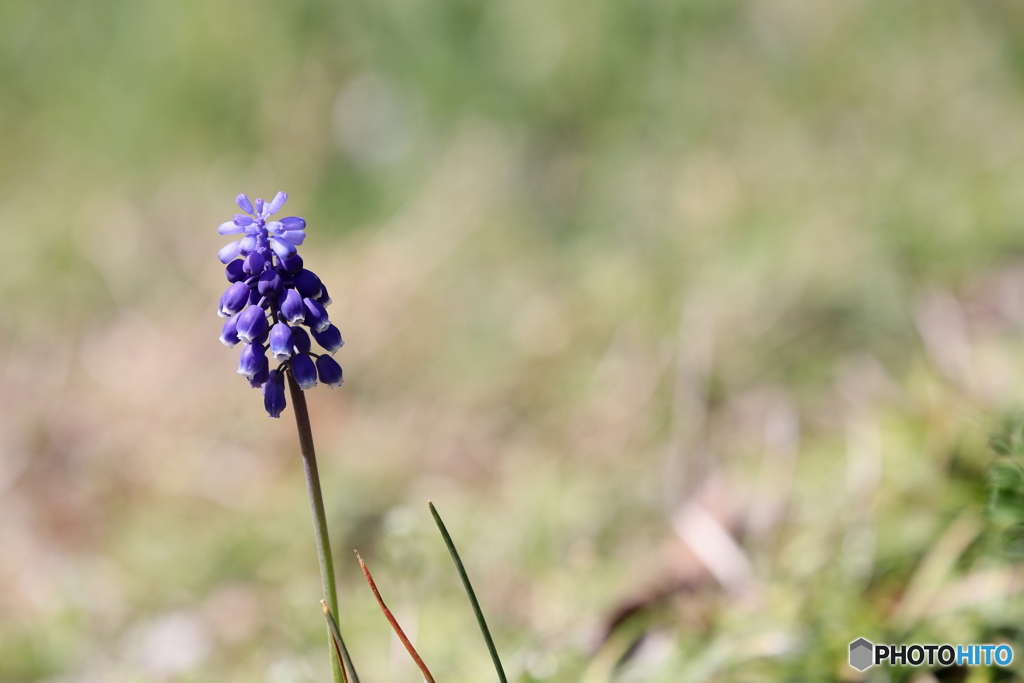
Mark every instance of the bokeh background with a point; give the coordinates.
(693, 317)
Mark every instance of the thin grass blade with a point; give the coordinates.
(339, 645)
(470, 593)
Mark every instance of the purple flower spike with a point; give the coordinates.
(281, 342)
(260, 378)
(273, 394)
(229, 333)
(251, 324)
(279, 199)
(329, 371)
(252, 359)
(307, 283)
(270, 284)
(270, 294)
(292, 309)
(233, 300)
(254, 263)
(234, 272)
(229, 252)
(330, 338)
(316, 315)
(304, 371)
(301, 340)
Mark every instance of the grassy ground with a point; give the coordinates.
(693, 318)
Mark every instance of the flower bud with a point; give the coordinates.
(229, 252)
(229, 333)
(230, 228)
(330, 338)
(273, 394)
(307, 283)
(262, 339)
(243, 203)
(270, 283)
(316, 315)
(282, 248)
(251, 324)
(301, 339)
(292, 264)
(281, 342)
(260, 378)
(292, 309)
(234, 272)
(329, 371)
(254, 263)
(233, 299)
(304, 371)
(247, 245)
(293, 223)
(279, 199)
(251, 359)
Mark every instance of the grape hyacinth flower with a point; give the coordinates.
(272, 293)
(276, 308)
(270, 298)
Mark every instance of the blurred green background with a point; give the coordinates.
(693, 318)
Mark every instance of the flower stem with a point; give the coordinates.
(316, 503)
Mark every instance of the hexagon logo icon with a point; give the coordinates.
(861, 652)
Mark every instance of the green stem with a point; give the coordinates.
(323, 541)
(469, 591)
